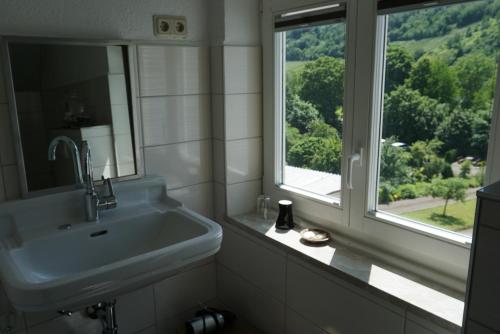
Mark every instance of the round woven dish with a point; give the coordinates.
(314, 235)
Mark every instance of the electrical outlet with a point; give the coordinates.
(180, 26)
(170, 26)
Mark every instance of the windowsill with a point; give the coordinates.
(432, 302)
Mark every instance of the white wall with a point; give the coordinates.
(281, 293)
(109, 19)
(178, 145)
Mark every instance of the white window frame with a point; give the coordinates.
(437, 254)
(321, 209)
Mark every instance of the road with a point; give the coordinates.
(408, 205)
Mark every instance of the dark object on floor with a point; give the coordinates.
(209, 320)
(285, 216)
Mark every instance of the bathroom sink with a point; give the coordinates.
(53, 259)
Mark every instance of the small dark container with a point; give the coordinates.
(285, 216)
(209, 320)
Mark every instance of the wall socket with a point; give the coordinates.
(170, 26)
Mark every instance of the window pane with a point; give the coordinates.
(438, 94)
(313, 108)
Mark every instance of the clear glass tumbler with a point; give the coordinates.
(263, 206)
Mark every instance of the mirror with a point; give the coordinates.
(81, 92)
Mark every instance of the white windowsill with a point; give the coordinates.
(433, 302)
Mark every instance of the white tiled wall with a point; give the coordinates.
(174, 96)
(156, 309)
(237, 125)
(167, 70)
(175, 102)
(280, 293)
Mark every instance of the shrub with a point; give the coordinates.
(451, 155)
(422, 188)
(385, 193)
(407, 191)
(465, 168)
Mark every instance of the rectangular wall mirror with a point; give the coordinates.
(78, 91)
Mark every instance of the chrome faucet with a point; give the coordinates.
(74, 153)
(94, 201)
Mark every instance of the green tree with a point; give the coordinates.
(432, 77)
(475, 72)
(465, 168)
(397, 67)
(322, 154)
(455, 131)
(323, 86)
(481, 133)
(300, 114)
(292, 136)
(426, 161)
(410, 116)
(452, 188)
(394, 164)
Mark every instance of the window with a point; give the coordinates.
(312, 63)
(413, 131)
(437, 100)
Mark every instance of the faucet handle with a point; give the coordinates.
(109, 185)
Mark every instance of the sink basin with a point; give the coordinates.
(145, 239)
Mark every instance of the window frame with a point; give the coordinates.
(321, 209)
(409, 245)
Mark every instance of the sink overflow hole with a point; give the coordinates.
(98, 233)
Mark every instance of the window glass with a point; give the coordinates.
(313, 65)
(440, 75)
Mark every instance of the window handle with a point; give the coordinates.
(354, 158)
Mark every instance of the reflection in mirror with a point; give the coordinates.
(78, 91)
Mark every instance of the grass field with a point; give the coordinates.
(293, 66)
(459, 216)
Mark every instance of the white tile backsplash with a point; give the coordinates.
(117, 89)
(182, 164)
(198, 198)
(77, 323)
(174, 119)
(218, 116)
(242, 197)
(249, 302)
(296, 324)
(244, 160)
(334, 308)
(216, 70)
(219, 161)
(121, 119)
(264, 266)
(219, 201)
(416, 324)
(242, 69)
(135, 310)
(184, 291)
(115, 59)
(173, 70)
(123, 149)
(243, 116)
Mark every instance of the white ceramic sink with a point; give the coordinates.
(146, 238)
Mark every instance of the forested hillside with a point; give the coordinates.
(440, 77)
(467, 27)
